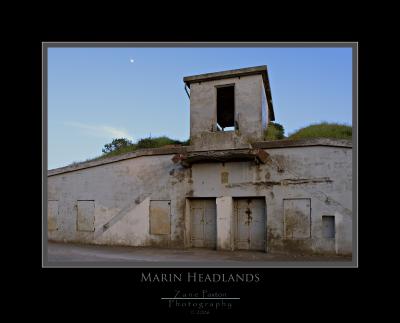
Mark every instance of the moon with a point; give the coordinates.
(131, 60)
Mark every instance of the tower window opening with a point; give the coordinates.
(226, 108)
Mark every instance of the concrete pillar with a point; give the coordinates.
(187, 242)
(225, 223)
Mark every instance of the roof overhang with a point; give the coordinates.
(238, 73)
(259, 156)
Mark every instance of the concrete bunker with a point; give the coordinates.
(228, 190)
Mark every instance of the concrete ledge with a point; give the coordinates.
(109, 160)
(285, 143)
(187, 159)
(225, 74)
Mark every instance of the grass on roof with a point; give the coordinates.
(323, 130)
(156, 142)
(274, 131)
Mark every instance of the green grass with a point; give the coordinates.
(323, 130)
(274, 131)
(159, 142)
(156, 142)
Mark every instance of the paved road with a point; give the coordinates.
(66, 252)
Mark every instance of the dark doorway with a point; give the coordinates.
(226, 107)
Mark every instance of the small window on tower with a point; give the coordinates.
(226, 108)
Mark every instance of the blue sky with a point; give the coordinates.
(97, 94)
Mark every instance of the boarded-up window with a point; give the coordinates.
(52, 215)
(328, 226)
(85, 216)
(160, 217)
(297, 218)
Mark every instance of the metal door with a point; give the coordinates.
(203, 223)
(250, 223)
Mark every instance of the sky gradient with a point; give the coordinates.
(97, 94)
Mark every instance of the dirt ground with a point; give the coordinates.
(67, 252)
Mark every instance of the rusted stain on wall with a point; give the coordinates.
(296, 225)
(243, 184)
(280, 162)
(284, 182)
(224, 177)
(178, 174)
(294, 181)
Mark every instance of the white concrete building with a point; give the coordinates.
(228, 190)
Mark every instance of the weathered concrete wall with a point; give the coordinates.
(321, 174)
(122, 191)
(264, 109)
(126, 186)
(248, 113)
(343, 242)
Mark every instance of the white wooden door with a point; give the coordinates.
(203, 223)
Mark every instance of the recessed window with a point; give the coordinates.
(85, 215)
(328, 226)
(226, 108)
(297, 218)
(160, 217)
